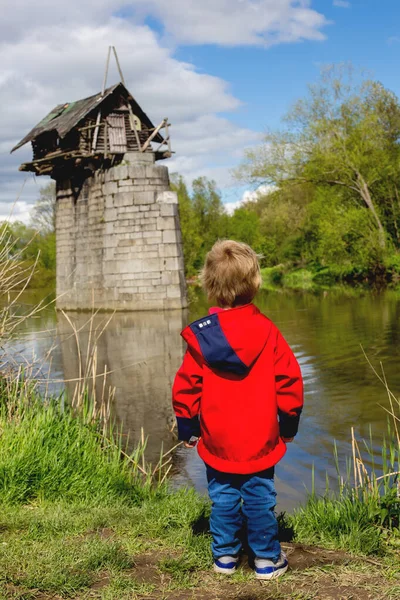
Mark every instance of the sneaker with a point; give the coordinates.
(225, 564)
(267, 569)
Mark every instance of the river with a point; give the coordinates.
(142, 351)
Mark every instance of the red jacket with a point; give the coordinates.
(239, 388)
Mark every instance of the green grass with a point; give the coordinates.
(281, 276)
(65, 549)
(77, 517)
(315, 279)
(363, 516)
(47, 453)
(338, 523)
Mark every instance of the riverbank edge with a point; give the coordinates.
(316, 279)
(80, 519)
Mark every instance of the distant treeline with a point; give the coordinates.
(331, 181)
(36, 242)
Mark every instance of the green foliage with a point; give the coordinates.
(202, 217)
(334, 168)
(190, 226)
(31, 247)
(244, 226)
(36, 244)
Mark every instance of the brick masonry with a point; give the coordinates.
(119, 244)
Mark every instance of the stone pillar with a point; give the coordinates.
(66, 236)
(119, 244)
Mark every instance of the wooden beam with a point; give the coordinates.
(153, 135)
(106, 71)
(96, 131)
(105, 139)
(162, 144)
(118, 66)
(167, 136)
(90, 127)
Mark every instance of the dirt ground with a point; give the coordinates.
(315, 574)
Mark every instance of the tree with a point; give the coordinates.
(203, 219)
(210, 211)
(244, 226)
(344, 134)
(43, 217)
(191, 237)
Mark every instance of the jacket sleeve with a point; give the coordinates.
(186, 397)
(289, 388)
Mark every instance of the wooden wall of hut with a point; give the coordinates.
(87, 130)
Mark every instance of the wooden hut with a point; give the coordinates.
(92, 133)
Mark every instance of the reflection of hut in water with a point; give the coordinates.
(143, 352)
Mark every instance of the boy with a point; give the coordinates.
(239, 394)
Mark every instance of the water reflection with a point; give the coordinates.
(328, 334)
(142, 351)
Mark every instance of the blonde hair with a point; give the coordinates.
(231, 273)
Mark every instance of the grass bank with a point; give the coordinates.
(80, 519)
(320, 278)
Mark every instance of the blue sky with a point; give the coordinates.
(268, 81)
(222, 70)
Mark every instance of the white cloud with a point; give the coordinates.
(249, 196)
(20, 211)
(341, 3)
(230, 207)
(53, 53)
(225, 22)
(237, 22)
(263, 190)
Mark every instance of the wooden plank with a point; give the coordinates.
(117, 133)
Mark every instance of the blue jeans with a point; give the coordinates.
(243, 498)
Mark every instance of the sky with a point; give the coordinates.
(223, 71)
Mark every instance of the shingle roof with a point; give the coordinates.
(65, 117)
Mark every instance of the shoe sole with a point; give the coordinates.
(223, 571)
(274, 575)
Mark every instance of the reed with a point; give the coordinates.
(65, 446)
(364, 514)
(50, 451)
